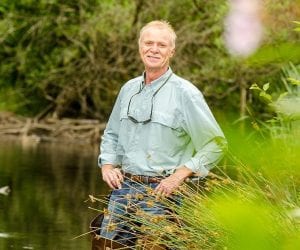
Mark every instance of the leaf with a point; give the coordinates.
(283, 95)
(294, 81)
(265, 96)
(266, 86)
(254, 86)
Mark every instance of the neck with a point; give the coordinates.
(152, 75)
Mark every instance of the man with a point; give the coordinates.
(160, 131)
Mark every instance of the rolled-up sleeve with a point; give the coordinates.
(206, 135)
(109, 140)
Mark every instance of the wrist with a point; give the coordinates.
(182, 173)
(107, 166)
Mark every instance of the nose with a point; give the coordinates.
(154, 47)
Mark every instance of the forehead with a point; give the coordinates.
(156, 34)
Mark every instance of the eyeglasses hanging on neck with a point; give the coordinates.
(131, 118)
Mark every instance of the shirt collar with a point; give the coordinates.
(154, 85)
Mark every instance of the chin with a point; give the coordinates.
(152, 68)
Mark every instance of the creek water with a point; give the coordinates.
(50, 184)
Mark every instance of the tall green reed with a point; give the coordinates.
(250, 201)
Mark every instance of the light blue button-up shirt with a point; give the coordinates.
(182, 130)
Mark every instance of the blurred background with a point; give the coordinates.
(68, 59)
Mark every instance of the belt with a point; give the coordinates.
(143, 178)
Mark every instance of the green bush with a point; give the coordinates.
(70, 58)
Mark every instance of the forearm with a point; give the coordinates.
(168, 185)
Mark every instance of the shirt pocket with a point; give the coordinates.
(166, 134)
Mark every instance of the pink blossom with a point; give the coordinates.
(243, 28)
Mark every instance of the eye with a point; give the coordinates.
(148, 43)
(162, 45)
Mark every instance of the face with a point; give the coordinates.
(156, 49)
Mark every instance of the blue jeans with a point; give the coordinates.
(132, 197)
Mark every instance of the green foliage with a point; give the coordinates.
(72, 57)
(283, 104)
(64, 54)
(279, 53)
(252, 203)
(11, 100)
(262, 92)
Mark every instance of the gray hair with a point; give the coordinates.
(160, 24)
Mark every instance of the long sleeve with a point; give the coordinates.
(208, 139)
(182, 130)
(109, 140)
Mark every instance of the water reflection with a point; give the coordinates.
(49, 184)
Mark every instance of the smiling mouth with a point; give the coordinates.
(153, 57)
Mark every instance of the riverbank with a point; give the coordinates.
(50, 129)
